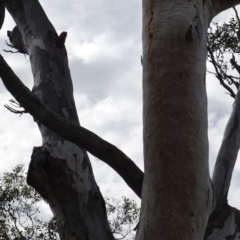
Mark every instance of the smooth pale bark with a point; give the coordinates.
(177, 196)
(70, 187)
(84, 138)
(227, 155)
(224, 222)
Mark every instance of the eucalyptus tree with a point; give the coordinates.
(21, 217)
(177, 193)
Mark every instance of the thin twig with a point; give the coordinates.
(218, 74)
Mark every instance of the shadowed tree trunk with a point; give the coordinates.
(59, 170)
(224, 222)
(177, 191)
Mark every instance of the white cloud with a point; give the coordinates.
(98, 48)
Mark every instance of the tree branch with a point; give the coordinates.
(236, 13)
(222, 5)
(227, 155)
(84, 138)
(219, 75)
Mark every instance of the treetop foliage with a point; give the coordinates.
(223, 43)
(20, 217)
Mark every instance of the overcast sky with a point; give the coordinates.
(104, 49)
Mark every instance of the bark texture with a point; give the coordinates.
(62, 169)
(224, 222)
(84, 138)
(227, 155)
(177, 195)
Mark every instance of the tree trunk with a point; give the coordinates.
(177, 196)
(224, 222)
(59, 170)
(177, 192)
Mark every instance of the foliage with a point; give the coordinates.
(19, 210)
(123, 216)
(20, 216)
(223, 43)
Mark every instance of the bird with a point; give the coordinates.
(2, 12)
(60, 41)
(15, 38)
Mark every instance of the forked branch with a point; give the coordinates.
(84, 138)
